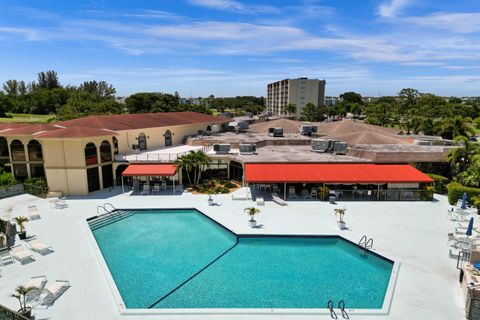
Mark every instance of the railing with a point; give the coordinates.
(7, 314)
(382, 195)
(156, 157)
(35, 190)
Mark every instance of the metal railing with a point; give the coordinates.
(8, 314)
(383, 195)
(156, 157)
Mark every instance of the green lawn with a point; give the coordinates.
(30, 118)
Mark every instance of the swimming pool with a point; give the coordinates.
(181, 259)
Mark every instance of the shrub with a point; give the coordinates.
(38, 182)
(456, 190)
(440, 183)
(230, 185)
(7, 179)
(222, 190)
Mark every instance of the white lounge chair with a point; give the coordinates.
(52, 292)
(242, 194)
(33, 212)
(39, 247)
(291, 193)
(260, 201)
(61, 203)
(278, 200)
(21, 254)
(5, 257)
(37, 283)
(146, 189)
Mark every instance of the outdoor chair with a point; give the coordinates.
(313, 193)
(163, 185)
(37, 283)
(306, 195)
(291, 193)
(39, 247)
(146, 189)
(278, 200)
(156, 188)
(33, 212)
(21, 254)
(260, 201)
(136, 185)
(52, 292)
(275, 188)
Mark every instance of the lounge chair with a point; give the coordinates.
(39, 247)
(5, 257)
(243, 193)
(278, 200)
(33, 212)
(37, 283)
(21, 254)
(306, 194)
(61, 203)
(146, 189)
(52, 292)
(156, 188)
(260, 201)
(291, 193)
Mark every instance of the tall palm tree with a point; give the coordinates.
(457, 126)
(460, 158)
(185, 162)
(200, 164)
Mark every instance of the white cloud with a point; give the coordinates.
(454, 22)
(392, 8)
(231, 5)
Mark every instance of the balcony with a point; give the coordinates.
(167, 155)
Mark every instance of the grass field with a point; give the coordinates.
(30, 118)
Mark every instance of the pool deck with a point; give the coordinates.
(412, 233)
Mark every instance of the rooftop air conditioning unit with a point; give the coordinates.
(275, 132)
(243, 125)
(308, 130)
(247, 148)
(340, 147)
(320, 145)
(215, 128)
(221, 148)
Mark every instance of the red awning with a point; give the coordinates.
(135, 170)
(333, 173)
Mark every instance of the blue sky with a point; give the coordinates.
(236, 47)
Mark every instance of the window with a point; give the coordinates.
(18, 151)
(107, 176)
(37, 170)
(20, 171)
(3, 147)
(34, 151)
(91, 154)
(168, 138)
(142, 141)
(93, 179)
(105, 152)
(115, 145)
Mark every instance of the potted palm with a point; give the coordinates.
(210, 199)
(21, 220)
(252, 211)
(340, 212)
(21, 294)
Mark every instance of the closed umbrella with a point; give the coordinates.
(470, 227)
(464, 201)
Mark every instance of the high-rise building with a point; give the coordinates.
(297, 91)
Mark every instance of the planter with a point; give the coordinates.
(341, 225)
(22, 235)
(27, 312)
(252, 223)
(210, 202)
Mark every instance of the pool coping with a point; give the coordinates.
(123, 310)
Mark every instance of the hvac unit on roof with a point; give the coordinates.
(275, 132)
(247, 148)
(340, 147)
(320, 145)
(221, 148)
(308, 130)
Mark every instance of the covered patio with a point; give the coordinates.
(150, 178)
(352, 181)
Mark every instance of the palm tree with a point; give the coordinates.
(457, 126)
(200, 163)
(21, 220)
(290, 108)
(340, 212)
(461, 157)
(252, 211)
(21, 294)
(184, 162)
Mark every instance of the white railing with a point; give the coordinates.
(156, 157)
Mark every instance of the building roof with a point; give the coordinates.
(143, 120)
(333, 173)
(12, 125)
(135, 170)
(288, 125)
(75, 132)
(31, 130)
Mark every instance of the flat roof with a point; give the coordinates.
(333, 173)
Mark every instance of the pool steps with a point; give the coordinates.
(107, 218)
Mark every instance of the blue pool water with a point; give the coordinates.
(181, 259)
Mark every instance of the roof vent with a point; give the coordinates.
(247, 148)
(221, 148)
(275, 132)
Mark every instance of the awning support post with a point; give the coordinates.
(284, 191)
(173, 184)
(123, 189)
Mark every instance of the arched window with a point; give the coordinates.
(209, 128)
(91, 154)
(17, 150)
(34, 151)
(115, 145)
(168, 138)
(142, 141)
(3, 147)
(105, 151)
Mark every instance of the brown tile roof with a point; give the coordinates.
(12, 125)
(75, 132)
(143, 120)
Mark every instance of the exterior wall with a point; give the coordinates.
(298, 91)
(25, 140)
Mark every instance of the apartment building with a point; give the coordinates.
(297, 91)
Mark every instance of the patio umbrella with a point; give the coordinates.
(464, 201)
(470, 227)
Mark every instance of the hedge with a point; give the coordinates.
(440, 184)
(456, 190)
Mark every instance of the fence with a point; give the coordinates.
(7, 314)
(383, 195)
(156, 157)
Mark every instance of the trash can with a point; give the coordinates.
(332, 199)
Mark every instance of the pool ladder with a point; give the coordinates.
(365, 244)
(341, 307)
(106, 211)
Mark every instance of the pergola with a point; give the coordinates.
(150, 170)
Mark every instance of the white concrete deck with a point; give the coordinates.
(412, 233)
